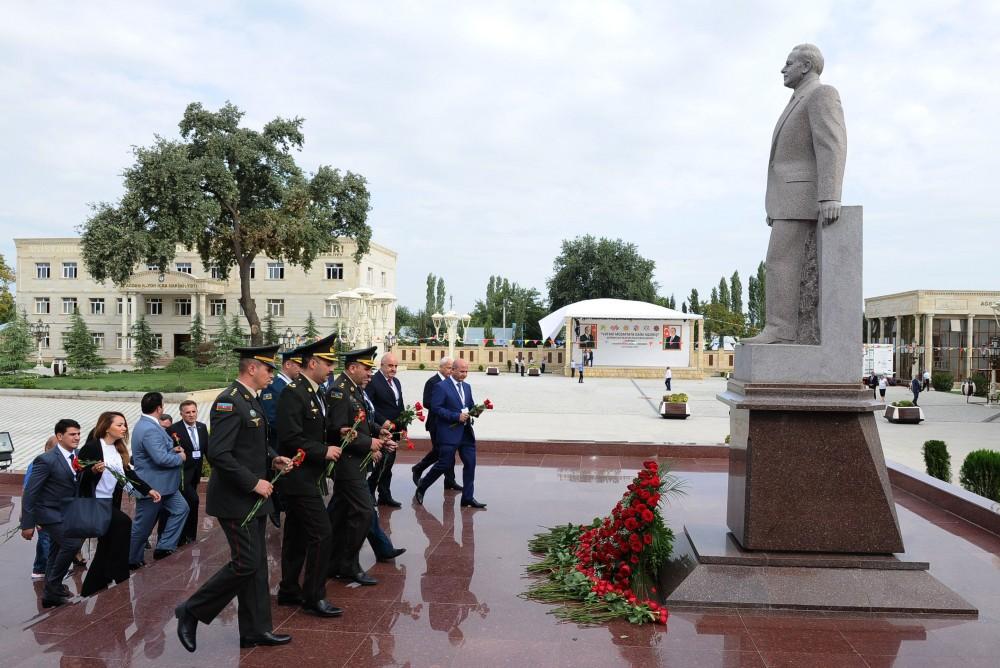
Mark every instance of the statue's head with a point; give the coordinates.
(803, 61)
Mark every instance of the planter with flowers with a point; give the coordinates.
(903, 412)
(674, 406)
(608, 569)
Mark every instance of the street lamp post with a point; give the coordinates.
(451, 321)
(40, 330)
(362, 313)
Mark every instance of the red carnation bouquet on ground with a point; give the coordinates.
(609, 569)
(300, 456)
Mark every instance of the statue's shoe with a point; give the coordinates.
(766, 337)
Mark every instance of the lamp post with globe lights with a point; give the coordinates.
(362, 313)
(40, 330)
(451, 321)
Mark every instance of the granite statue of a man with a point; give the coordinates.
(804, 179)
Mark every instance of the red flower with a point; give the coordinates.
(419, 406)
(634, 558)
(488, 405)
(76, 465)
(409, 444)
(647, 515)
(631, 524)
(360, 417)
(300, 456)
(647, 538)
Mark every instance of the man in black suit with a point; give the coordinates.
(351, 508)
(53, 478)
(192, 436)
(238, 453)
(444, 371)
(302, 425)
(386, 396)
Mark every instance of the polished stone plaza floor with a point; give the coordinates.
(452, 599)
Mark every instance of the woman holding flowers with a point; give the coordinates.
(107, 454)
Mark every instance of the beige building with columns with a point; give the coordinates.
(52, 281)
(937, 330)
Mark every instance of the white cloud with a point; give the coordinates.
(490, 132)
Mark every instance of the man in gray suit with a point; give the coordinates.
(158, 461)
(804, 179)
(53, 479)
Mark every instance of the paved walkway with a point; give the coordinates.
(558, 408)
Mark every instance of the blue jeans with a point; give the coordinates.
(41, 551)
(145, 518)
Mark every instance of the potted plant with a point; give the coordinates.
(904, 412)
(674, 406)
(533, 370)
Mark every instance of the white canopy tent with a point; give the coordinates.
(609, 309)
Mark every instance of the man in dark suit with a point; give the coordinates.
(291, 366)
(386, 396)
(302, 425)
(53, 478)
(444, 371)
(192, 436)
(237, 450)
(453, 404)
(351, 508)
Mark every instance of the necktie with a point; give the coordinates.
(193, 432)
(461, 392)
(72, 457)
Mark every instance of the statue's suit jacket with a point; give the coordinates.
(808, 152)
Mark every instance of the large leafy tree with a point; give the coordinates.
(231, 192)
(524, 306)
(81, 351)
(590, 268)
(16, 344)
(756, 299)
(7, 310)
(735, 293)
(146, 354)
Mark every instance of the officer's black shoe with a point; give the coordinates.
(389, 501)
(392, 555)
(53, 602)
(472, 503)
(322, 609)
(289, 599)
(416, 475)
(187, 627)
(162, 554)
(364, 579)
(266, 639)
(418, 497)
(136, 566)
(453, 486)
(63, 590)
(276, 519)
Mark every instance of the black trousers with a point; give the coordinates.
(245, 577)
(110, 562)
(381, 476)
(61, 553)
(431, 458)
(350, 513)
(305, 543)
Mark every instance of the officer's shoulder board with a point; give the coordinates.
(292, 384)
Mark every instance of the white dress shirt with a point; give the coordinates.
(192, 430)
(112, 460)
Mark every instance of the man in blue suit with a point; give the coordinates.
(444, 372)
(291, 365)
(158, 461)
(452, 403)
(52, 480)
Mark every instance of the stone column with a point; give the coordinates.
(195, 303)
(701, 344)
(970, 321)
(897, 340)
(567, 345)
(126, 302)
(203, 307)
(868, 326)
(928, 341)
(917, 318)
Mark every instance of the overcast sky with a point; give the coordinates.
(489, 132)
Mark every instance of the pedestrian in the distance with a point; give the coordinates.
(882, 384)
(915, 388)
(667, 377)
(927, 379)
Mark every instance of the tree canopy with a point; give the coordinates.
(81, 350)
(524, 307)
(7, 309)
(16, 344)
(591, 268)
(232, 193)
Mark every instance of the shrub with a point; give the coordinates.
(903, 403)
(678, 398)
(937, 460)
(982, 384)
(206, 468)
(942, 382)
(981, 473)
(728, 437)
(480, 367)
(422, 366)
(181, 365)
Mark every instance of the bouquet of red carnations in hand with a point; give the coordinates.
(345, 440)
(300, 456)
(477, 410)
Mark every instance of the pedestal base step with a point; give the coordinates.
(829, 584)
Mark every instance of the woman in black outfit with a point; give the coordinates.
(107, 445)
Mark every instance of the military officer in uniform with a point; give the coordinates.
(351, 507)
(291, 365)
(238, 452)
(302, 425)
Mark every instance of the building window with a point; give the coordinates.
(154, 306)
(42, 270)
(69, 269)
(69, 305)
(332, 309)
(119, 306)
(383, 279)
(118, 341)
(152, 267)
(275, 271)
(216, 273)
(253, 271)
(182, 306)
(371, 276)
(276, 307)
(46, 341)
(334, 271)
(158, 341)
(184, 267)
(217, 307)
(97, 306)
(97, 338)
(42, 305)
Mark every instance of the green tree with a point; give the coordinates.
(720, 321)
(735, 293)
(439, 297)
(724, 297)
(271, 335)
(311, 331)
(8, 311)
(590, 268)
(714, 298)
(431, 304)
(81, 351)
(198, 337)
(16, 344)
(222, 345)
(231, 192)
(761, 295)
(144, 344)
(236, 332)
(524, 306)
(693, 302)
